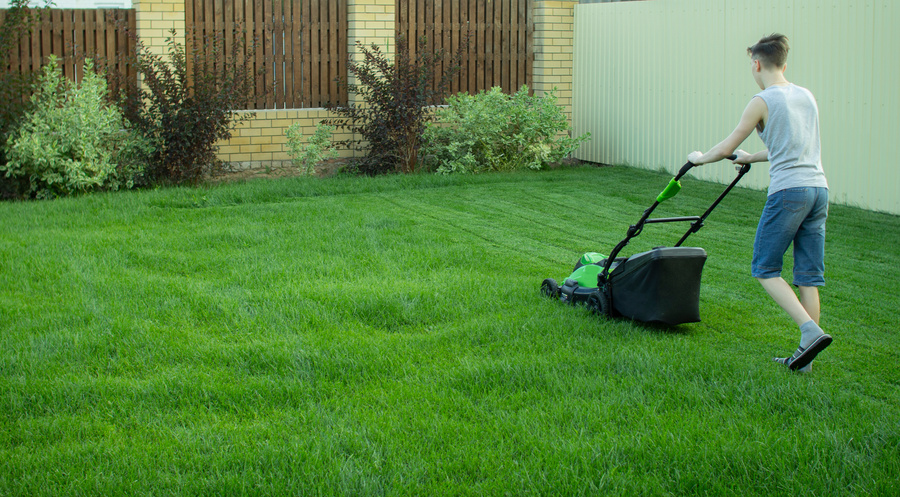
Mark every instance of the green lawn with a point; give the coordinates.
(387, 336)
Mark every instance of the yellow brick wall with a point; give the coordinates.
(260, 140)
(554, 44)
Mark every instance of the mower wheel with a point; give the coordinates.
(598, 303)
(549, 288)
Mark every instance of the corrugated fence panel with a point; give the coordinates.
(886, 105)
(655, 80)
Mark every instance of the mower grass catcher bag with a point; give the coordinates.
(661, 285)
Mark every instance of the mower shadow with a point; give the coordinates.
(649, 327)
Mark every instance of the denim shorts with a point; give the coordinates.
(793, 215)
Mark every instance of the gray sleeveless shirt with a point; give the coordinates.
(791, 135)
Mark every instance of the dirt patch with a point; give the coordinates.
(323, 169)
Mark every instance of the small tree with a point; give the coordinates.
(396, 96)
(185, 112)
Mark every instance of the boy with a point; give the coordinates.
(787, 119)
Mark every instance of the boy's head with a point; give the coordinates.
(771, 51)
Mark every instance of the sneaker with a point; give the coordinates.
(803, 357)
(787, 360)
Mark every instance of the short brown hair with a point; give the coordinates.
(771, 50)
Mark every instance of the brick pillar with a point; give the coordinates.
(370, 21)
(155, 20)
(554, 43)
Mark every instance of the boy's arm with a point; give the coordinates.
(754, 114)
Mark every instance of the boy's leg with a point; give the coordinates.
(809, 299)
(812, 339)
(784, 296)
(809, 253)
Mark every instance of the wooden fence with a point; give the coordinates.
(301, 45)
(72, 35)
(501, 45)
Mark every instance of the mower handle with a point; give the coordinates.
(688, 165)
(636, 229)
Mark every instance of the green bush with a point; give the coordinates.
(318, 148)
(493, 131)
(73, 140)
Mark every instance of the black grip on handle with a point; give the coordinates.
(745, 168)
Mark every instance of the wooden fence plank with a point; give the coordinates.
(437, 38)
(521, 50)
(341, 54)
(271, 55)
(401, 15)
(34, 54)
(476, 39)
(498, 43)
(259, 29)
(290, 92)
(447, 32)
(190, 35)
(46, 35)
(334, 53)
(107, 38)
(480, 53)
(250, 39)
(56, 39)
(315, 54)
(226, 28)
(278, 51)
(454, 43)
(306, 57)
(529, 43)
(505, 46)
(217, 36)
(70, 41)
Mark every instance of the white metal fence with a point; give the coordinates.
(657, 79)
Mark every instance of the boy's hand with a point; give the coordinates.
(693, 157)
(742, 158)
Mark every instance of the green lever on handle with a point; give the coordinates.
(671, 190)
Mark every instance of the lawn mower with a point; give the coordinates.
(661, 285)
